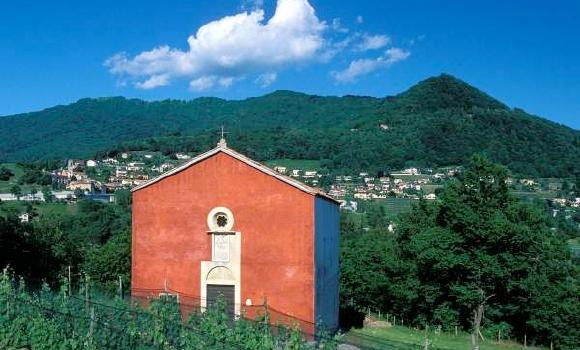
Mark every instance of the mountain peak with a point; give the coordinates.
(284, 93)
(446, 91)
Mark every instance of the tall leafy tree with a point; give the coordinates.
(47, 194)
(16, 190)
(480, 256)
(5, 174)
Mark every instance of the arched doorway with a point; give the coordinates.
(220, 282)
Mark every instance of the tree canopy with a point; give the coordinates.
(477, 252)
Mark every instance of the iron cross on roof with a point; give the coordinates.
(222, 142)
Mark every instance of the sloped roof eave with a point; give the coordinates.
(297, 184)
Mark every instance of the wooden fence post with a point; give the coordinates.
(92, 324)
(8, 302)
(87, 294)
(69, 294)
(266, 312)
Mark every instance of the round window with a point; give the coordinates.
(220, 219)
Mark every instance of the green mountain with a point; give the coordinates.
(439, 121)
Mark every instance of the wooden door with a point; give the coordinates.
(226, 291)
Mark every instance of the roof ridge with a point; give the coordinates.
(222, 147)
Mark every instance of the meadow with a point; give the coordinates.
(405, 338)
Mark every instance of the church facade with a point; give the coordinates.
(223, 224)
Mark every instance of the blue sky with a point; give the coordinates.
(525, 53)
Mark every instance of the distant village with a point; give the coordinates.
(99, 179)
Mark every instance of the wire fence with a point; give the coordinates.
(195, 305)
(148, 321)
(118, 324)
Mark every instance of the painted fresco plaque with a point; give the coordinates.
(221, 248)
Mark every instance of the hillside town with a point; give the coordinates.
(100, 179)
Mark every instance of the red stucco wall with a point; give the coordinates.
(276, 222)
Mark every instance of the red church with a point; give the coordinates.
(225, 224)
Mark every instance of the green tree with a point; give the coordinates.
(5, 173)
(123, 198)
(33, 191)
(47, 194)
(377, 215)
(481, 256)
(368, 260)
(79, 194)
(106, 263)
(16, 190)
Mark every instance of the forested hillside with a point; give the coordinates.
(439, 121)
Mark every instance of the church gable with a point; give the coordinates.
(223, 149)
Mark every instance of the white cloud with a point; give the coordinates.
(227, 49)
(153, 82)
(202, 84)
(227, 81)
(372, 42)
(395, 54)
(337, 26)
(356, 68)
(266, 79)
(247, 45)
(208, 82)
(365, 66)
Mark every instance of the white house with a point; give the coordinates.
(24, 217)
(280, 169)
(135, 166)
(4, 197)
(182, 156)
(63, 195)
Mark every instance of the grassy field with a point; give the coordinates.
(430, 188)
(18, 172)
(303, 164)
(534, 195)
(395, 206)
(56, 208)
(41, 208)
(411, 177)
(403, 338)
